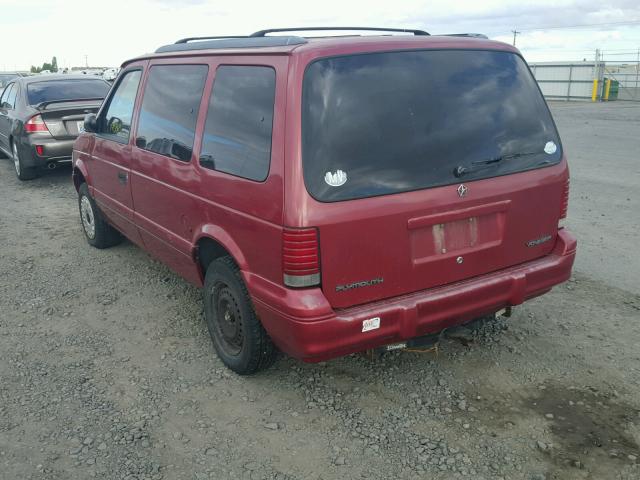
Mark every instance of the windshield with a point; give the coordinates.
(382, 123)
(51, 90)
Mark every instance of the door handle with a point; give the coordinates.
(122, 177)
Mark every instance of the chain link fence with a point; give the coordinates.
(609, 78)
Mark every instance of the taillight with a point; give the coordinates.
(564, 205)
(35, 124)
(300, 257)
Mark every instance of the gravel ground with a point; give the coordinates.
(107, 371)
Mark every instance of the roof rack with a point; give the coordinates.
(205, 43)
(192, 39)
(472, 35)
(263, 33)
(261, 39)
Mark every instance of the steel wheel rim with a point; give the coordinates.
(88, 218)
(228, 320)
(16, 161)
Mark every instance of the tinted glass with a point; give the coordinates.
(117, 119)
(11, 96)
(237, 137)
(382, 123)
(170, 108)
(8, 91)
(50, 90)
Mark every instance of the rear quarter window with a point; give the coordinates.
(382, 123)
(8, 99)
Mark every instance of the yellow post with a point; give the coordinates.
(606, 90)
(594, 92)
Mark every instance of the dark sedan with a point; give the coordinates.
(41, 116)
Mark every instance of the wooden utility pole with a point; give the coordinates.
(515, 32)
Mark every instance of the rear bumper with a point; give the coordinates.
(304, 326)
(53, 151)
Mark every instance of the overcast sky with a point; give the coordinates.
(109, 32)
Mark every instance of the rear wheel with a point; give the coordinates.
(23, 173)
(98, 232)
(239, 338)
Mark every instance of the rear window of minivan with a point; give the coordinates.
(383, 123)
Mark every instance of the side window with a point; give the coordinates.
(237, 134)
(13, 94)
(6, 100)
(116, 121)
(170, 109)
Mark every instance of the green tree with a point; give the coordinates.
(52, 67)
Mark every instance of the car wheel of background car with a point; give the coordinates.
(98, 232)
(239, 338)
(22, 172)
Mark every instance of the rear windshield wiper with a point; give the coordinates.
(462, 170)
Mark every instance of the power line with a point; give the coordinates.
(583, 25)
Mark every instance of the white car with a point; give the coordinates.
(110, 74)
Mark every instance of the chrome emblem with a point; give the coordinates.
(364, 283)
(459, 260)
(462, 190)
(538, 241)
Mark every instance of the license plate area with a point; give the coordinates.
(450, 234)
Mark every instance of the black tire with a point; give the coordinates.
(239, 338)
(23, 173)
(98, 232)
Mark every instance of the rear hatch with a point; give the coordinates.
(427, 168)
(63, 102)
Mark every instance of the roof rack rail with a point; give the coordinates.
(207, 43)
(472, 35)
(263, 33)
(192, 39)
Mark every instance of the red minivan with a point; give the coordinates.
(332, 194)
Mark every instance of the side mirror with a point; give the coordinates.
(90, 123)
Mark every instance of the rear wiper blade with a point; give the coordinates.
(462, 170)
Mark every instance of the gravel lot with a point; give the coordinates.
(107, 371)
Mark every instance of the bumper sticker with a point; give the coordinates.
(371, 324)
